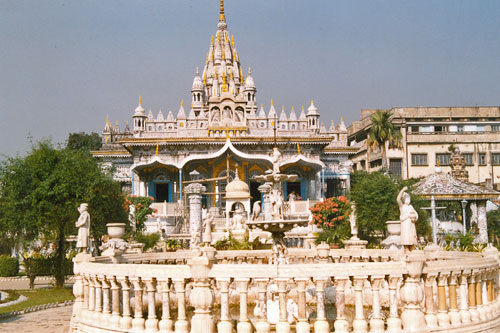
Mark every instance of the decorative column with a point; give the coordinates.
(282, 326)
(90, 313)
(224, 325)
(443, 318)
(321, 324)
(302, 324)
(482, 222)
(479, 297)
(484, 293)
(474, 314)
(376, 322)
(393, 322)
(430, 307)
(114, 321)
(138, 321)
(201, 296)
(262, 325)
(244, 325)
(341, 325)
(78, 306)
(194, 191)
(491, 293)
(265, 189)
(106, 304)
(166, 324)
(126, 319)
(412, 295)
(464, 305)
(181, 325)
(96, 316)
(151, 323)
(453, 311)
(359, 325)
(86, 295)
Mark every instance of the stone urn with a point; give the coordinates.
(394, 228)
(393, 241)
(115, 246)
(116, 230)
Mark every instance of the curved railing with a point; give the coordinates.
(245, 291)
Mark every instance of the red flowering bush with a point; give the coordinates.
(332, 215)
(142, 209)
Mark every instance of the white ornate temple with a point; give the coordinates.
(224, 129)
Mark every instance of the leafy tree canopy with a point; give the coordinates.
(84, 141)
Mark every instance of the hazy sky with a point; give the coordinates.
(64, 64)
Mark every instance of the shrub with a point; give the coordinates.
(149, 241)
(332, 216)
(8, 266)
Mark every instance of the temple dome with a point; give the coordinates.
(237, 189)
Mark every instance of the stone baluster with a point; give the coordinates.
(166, 324)
(321, 324)
(106, 304)
(224, 325)
(479, 296)
(412, 295)
(114, 321)
(491, 294)
(464, 304)
(283, 326)
(138, 321)
(181, 324)
(443, 318)
(474, 314)
(244, 325)
(485, 293)
(90, 312)
(151, 323)
(359, 325)
(393, 322)
(126, 319)
(303, 323)
(341, 325)
(430, 307)
(86, 295)
(262, 325)
(376, 322)
(96, 316)
(452, 290)
(78, 292)
(201, 297)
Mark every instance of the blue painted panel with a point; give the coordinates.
(170, 189)
(303, 188)
(151, 189)
(286, 190)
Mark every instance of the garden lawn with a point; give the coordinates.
(39, 297)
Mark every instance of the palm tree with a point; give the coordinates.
(383, 130)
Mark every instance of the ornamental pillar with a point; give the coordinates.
(201, 297)
(194, 191)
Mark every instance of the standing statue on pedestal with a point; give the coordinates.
(207, 228)
(408, 216)
(276, 157)
(352, 221)
(83, 225)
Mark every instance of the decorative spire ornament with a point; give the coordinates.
(222, 17)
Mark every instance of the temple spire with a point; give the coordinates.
(222, 17)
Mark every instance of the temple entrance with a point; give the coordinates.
(161, 192)
(292, 187)
(254, 192)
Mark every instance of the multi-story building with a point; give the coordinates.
(225, 127)
(427, 135)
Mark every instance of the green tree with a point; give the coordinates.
(40, 193)
(84, 141)
(382, 130)
(493, 219)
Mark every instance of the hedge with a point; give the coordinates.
(8, 266)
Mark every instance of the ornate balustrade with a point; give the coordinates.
(239, 291)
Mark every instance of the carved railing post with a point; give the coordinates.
(138, 321)
(359, 325)
(78, 306)
(151, 323)
(412, 294)
(302, 324)
(341, 324)
(244, 325)
(443, 318)
(453, 312)
(86, 297)
(321, 324)
(224, 325)
(323, 253)
(430, 307)
(201, 296)
(474, 314)
(106, 305)
(464, 304)
(283, 326)
(479, 296)
(393, 322)
(126, 319)
(114, 321)
(96, 316)
(166, 324)
(484, 292)
(376, 322)
(181, 324)
(262, 325)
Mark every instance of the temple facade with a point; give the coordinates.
(224, 130)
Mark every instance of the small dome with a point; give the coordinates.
(249, 82)
(139, 111)
(312, 110)
(237, 189)
(197, 83)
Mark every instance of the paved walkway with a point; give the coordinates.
(54, 320)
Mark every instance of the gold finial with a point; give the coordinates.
(182, 102)
(157, 149)
(205, 78)
(206, 59)
(312, 101)
(215, 72)
(191, 105)
(272, 102)
(298, 149)
(223, 53)
(262, 106)
(232, 40)
(302, 107)
(222, 17)
(293, 107)
(224, 83)
(126, 122)
(341, 118)
(231, 73)
(116, 123)
(218, 39)
(107, 119)
(212, 40)
(282, 108)
(140, 100)
(227, 38)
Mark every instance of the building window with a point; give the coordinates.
(495, 158)
(440, 128)
(460, 128)
(418, 159)
(495, 128)
(482, 158)
(376, 163)
(443, 159)
(395, 167)
(414, 129)
(468, 158)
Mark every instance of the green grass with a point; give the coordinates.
(39, 297)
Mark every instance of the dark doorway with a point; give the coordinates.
(161, 192)
(293, 187)
(334, 188)
(254, 193)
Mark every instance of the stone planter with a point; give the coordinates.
(116, 230)
(394, 228)
(393, 241)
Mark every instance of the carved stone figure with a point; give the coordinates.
(277, 204)
(207, 228)
(83, 225)
(408, 216)
(276, 157)
(256, 210)
(352, 220)
(238, 219)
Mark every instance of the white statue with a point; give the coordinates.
(276, 157)
(131, 217)
(352, 220)
(238, 219)
(256, 210)
(408, 216)
(277, 204)
(207, 228)
(83, 225)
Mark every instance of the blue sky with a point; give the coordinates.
(64, 65)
